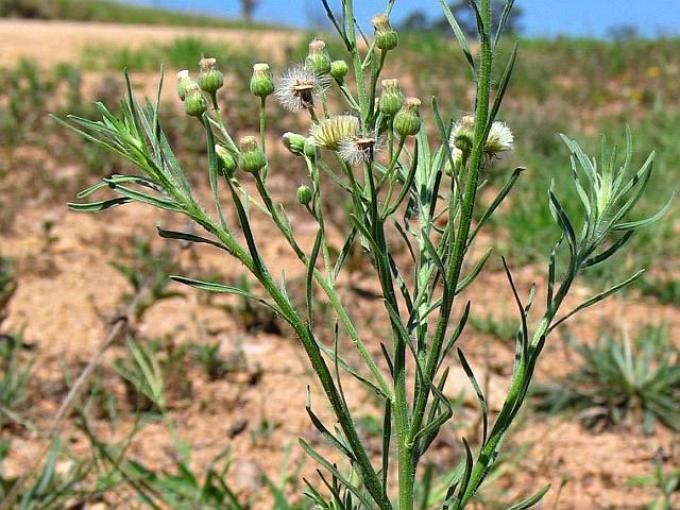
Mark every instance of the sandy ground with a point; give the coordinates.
(64, 41)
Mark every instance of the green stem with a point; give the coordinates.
(400, 408)
(327, 286)
(368, 474)
(459, 241)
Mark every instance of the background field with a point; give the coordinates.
(234, 380)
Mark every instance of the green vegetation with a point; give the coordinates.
(619, 380)
(111, 11)
(666, 483)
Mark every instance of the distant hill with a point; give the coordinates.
(111, 11)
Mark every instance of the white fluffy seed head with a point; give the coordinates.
(500, 139)
(296, 88)
(356, 150)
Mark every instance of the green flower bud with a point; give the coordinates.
(251, 158)
(194, 102)
(183, 81)
(317, 59)
(339, 70)
(407, 121)
(210, 79)
(227, 161)
(304, 195)
(294, 142)
(386, 38)
(391, 99)
(261, 83)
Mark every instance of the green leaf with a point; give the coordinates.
(460, 36)
(480, 395)
(652, 219)
(502, 88)
(226, 289)
(474, 272)
(185, 236)
(98, 206)
(334, 470)
(599, 297)
(532, 501)
(503, 21)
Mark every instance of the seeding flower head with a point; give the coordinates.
(500, 139)
(296, 88)
(329, 133)
(357, 150)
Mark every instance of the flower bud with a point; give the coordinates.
(227, 161)
(304, 195)
(294, 142)
(211, 78)
(407, 121)
(317, 59)
(261, 84)
(251, 158)
(391, 98)
(455, 164)
(339, 70)
(462, 134)
(194, 102)
(386, 37)
(183, 81)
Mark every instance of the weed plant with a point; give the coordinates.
(621, 380)
(413, 189)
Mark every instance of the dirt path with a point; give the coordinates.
(58, 41)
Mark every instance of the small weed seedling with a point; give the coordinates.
(148, 270)
(621, 379)
(413, 189)
(666, 482)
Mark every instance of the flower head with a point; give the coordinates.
(296, 88)
(357, 150)
(329, 133)
(500, 139)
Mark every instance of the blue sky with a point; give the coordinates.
(542, 17)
